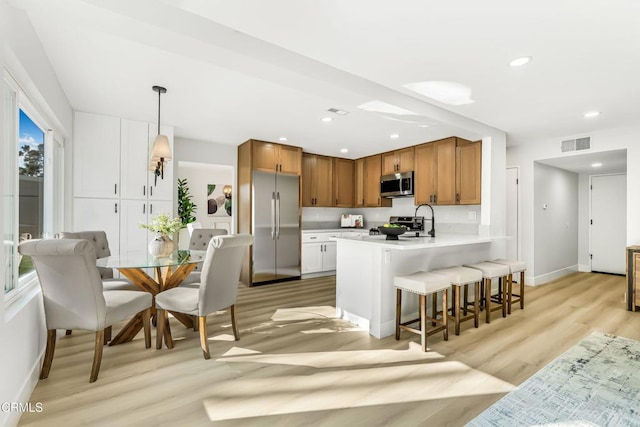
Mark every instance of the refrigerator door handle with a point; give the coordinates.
(277, 215)
(273, 216)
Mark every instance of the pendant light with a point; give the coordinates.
(161, 152)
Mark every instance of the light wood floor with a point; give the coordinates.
(296, 365)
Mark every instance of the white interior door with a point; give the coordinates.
(608, 223)
(512, 213)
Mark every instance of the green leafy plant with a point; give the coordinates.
(186, 207)
(163, 224)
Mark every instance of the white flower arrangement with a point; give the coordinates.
(163, 224)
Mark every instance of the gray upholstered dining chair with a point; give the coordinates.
(74, 297)
(100, 242)
(218, 289)
(199, 241)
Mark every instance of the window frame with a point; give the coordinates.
(53, 188)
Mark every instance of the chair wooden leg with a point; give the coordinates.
(423, 320)
(487, 299)
(160, 328)
(48, 353)
(168, 339)
(204, 343)
(510, 291)
(97, 356)
(466, 299)
(476, 303)
(234, 325)
(146, 325)
(195, 323)
(107, 334)
(434, 308)
(503, 296)
(68, 332)
(445, 304)
(456, 308)
(398, 312)
(522, 290)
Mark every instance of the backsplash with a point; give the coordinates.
(449, 219)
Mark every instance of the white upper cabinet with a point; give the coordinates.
(99, 214)
(96, 158)
(134, 166)
(162, 188)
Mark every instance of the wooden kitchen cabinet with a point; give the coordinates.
(343, 182)
(372, 173)
(435, 172)
(272, 157)
(398, 161)
(317, 178)
(359, 183)
(468, 172)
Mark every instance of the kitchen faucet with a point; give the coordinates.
(432, 232)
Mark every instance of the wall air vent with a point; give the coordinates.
(576, 144)
(583, 143)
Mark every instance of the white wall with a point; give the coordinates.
(21, 323)
(555, 212)
(584, 263)
(604, 140)
(198, 175)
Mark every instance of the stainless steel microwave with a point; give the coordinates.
(396, 185)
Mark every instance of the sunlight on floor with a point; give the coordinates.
(347, 388)
(304, 313)
(335, 359)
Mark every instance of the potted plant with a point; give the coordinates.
(186, 207)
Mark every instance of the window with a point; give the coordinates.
(32, 185)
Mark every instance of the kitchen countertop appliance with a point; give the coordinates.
(351, 221)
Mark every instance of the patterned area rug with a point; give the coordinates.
(595, 383)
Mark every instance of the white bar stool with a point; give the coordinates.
(422, 283)
(463, 276)
(515, 266)
(491, 271)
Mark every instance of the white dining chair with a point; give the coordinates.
(192, 226)
(218, 289)
(74, 298)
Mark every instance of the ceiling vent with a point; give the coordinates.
(576, 144)
(338, 111)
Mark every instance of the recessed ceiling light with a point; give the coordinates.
(344, 150)
(452, 93)
(394, 136)
(596, 165)
(518, 62)
(338, 111)
(326, 119)
(283, 138)
(591, 114)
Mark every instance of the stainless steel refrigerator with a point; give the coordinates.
(276, 227)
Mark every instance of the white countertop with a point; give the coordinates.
(333, 230)
(413, 243)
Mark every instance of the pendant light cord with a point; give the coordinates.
(159, 112)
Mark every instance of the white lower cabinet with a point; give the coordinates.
(318, 252)
(99, 214)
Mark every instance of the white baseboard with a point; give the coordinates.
(585, 268)
(24, 395)
(553, 275)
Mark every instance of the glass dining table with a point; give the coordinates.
(168, 272)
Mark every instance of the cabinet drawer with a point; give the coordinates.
(319, 237)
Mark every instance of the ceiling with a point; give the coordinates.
(270, 69)
(614, 161)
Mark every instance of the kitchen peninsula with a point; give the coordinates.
(366, 266)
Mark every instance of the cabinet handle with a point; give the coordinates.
(115, 188)
(435, 198)
(457, 198)
(336, 202)
(144, 190)
(378, 201)
(150, 208)
(362, 202)
(116, 208)
(144, 208)
(150, 190)
(311, 238)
